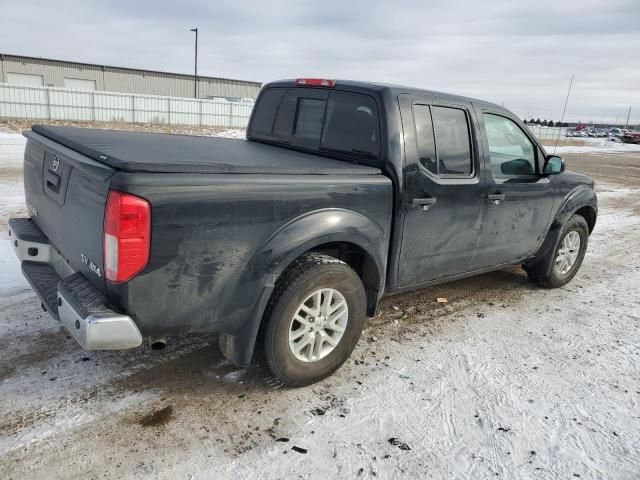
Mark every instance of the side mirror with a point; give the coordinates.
(553, 165)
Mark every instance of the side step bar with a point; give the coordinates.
(43, 280)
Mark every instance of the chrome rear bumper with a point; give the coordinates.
(91, 323)
(68, 295)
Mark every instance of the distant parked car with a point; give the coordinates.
(631, 137)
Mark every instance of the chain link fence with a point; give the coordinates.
(50, 103)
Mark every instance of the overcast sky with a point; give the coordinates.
(520, 53)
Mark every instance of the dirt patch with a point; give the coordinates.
(157, 418)
(565, 142)
(618, 168)
(11, 174)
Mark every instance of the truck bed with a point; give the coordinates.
(163, 153)
(212, 224)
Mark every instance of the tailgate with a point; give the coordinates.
(66, 194)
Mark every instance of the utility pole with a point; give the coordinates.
(563, 112)
(628, 115)
(195, 75)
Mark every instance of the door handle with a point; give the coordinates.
(496, 198)
(53, 181)
(423, 203)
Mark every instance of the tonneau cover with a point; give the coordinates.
(153, 152)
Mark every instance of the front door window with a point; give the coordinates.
(511, 152)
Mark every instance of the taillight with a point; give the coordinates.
(127, 232)
(315, 82)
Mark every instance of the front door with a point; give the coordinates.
(518, 198)
(442, 190)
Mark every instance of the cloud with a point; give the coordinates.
(521, 54)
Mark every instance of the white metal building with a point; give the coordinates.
(43, 72)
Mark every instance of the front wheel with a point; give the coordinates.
(568, 255)
(314, 320)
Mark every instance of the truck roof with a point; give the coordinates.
(360, 86)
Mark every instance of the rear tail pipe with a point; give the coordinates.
(157, 343)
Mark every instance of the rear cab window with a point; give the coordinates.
(309, 118)
(263, 117)
(339, 123)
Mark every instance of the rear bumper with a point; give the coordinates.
(68, 295)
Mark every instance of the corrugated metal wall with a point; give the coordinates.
(115, 79)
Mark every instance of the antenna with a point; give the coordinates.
(563, 111)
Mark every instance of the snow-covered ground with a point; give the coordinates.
(592, 145)
(10, 274)
(505, 380)
(11, 149)
(231, 133)
(11, 202)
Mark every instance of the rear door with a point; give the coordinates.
(518, 198)
(443, 190)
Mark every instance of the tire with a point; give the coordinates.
(561, 276)
(300, 283)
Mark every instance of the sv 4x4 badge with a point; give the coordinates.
(92, 266)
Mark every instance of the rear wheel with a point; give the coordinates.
(314, 320)
(568, 255)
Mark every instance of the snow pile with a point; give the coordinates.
(11, 278)
(231, 133)
(11, 149)
(12, 203)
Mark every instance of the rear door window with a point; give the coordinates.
(452, 141)
(424, 135)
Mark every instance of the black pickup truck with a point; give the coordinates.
(343, 192)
